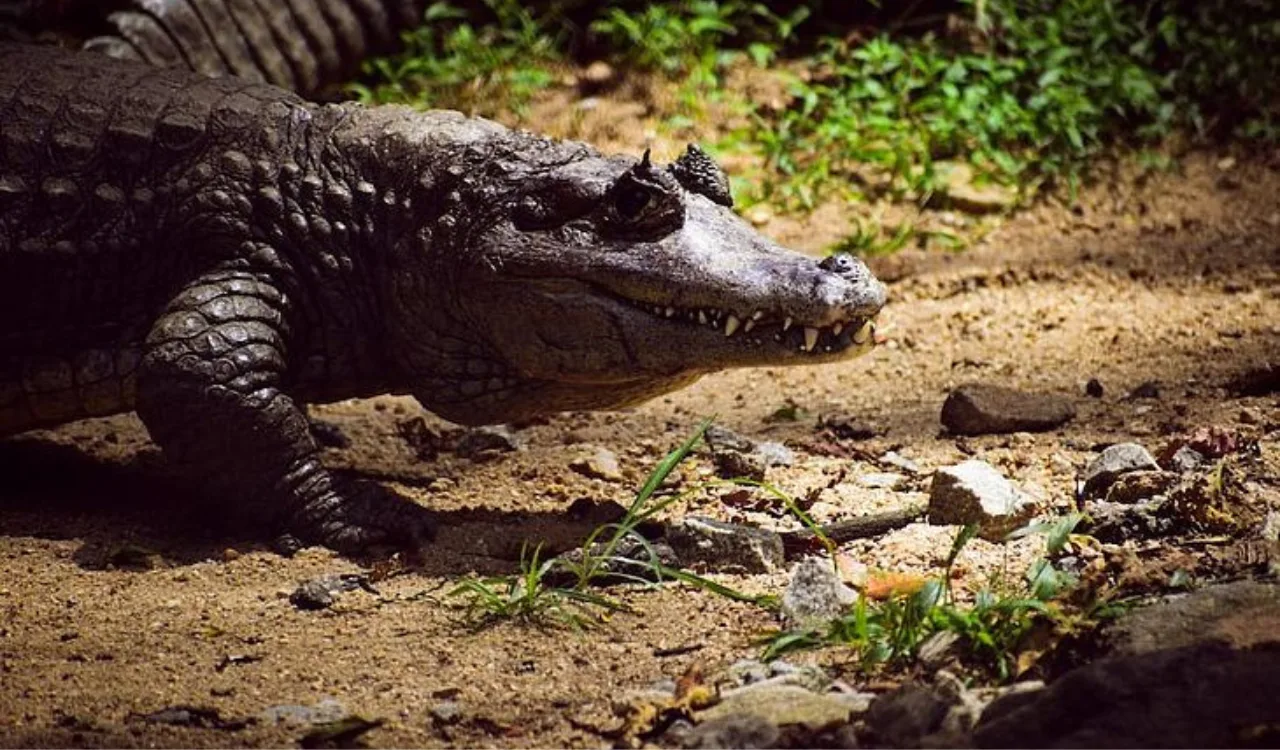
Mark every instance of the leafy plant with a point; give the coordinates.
(992, 630)
(451, 61)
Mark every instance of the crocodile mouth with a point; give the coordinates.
(763, 327)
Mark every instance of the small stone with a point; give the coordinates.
(722, 438)
(725, 547)
(781, 705)
(775, 454)
(327, 710)
(230, 554)
(898, 461)
(759, 215)
(482, 443)
(1115, 523)
(1117, 459)
(882, 480)
(1093, 388)
(321, 593)
(815, 595)
(1249, 416)
(1149, 389)
(748, 672)
(975, 492)
(978, 409)
(1138, 486)
(1186, 459)
(598, 75)
(598, 463)
(445, 713)
(732, 464)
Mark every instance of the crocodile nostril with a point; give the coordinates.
(843, 264)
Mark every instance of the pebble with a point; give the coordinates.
(781, 705)
(975, 492)
(725, 547)
(1117, 459)
(598, 463)
(481, 443)
(1137, 486)
(815, 594)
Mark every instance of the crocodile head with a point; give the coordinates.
(606, 281)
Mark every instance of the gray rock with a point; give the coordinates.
(1186, 459)
(975, 492)
(898, 461)
(978, 409)
(903, 717)
(732, 464)
(747, 672)
(1117, 459)
(731, 731)
(481, 443)
(322, 592)
(1115, 523)
(775, 454)
(1244, 614)
(598, 463)
(296, 715)
(725, 547)
(722, 438)
(781, 705)
(1204, 695)
(815, 595)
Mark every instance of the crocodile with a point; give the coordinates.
(216, 253)
(305, 46)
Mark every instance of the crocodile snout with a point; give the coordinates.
(863, 291)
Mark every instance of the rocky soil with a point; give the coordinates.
(1149, 314)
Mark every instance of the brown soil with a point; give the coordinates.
(1170, 278)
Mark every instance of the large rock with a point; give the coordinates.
(781, 705)
(975, 492)
(1196, 670)
(977, 409)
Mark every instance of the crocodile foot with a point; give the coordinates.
(358, 516)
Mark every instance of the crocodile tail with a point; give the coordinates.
(301, 45)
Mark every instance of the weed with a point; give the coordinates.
(994, 629)
(529, 597)
(452, 62)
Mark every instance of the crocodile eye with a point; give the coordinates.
(631, 201)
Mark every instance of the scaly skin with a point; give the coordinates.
(215, 253)
(300, 45)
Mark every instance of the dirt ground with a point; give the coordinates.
(1174, 279)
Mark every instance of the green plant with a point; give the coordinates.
(992, 630)
(528, 596)
(451, 61)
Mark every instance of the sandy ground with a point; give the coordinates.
(1173, 279)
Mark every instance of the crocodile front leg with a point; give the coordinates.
(210, 393)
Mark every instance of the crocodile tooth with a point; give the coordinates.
(670, 311)
(702, 317)
(836, 329)
(863, 334)
(731, 324)
(786, 324)
(758, 314)
(810, 338)
(749, 325)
